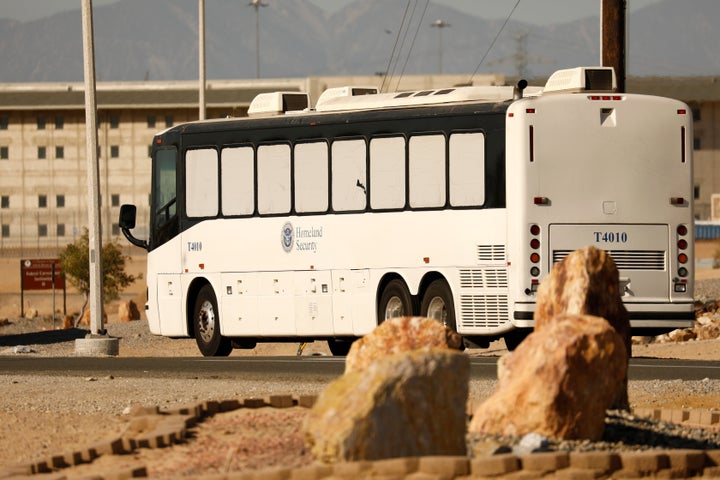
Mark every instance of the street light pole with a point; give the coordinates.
(440, 24)
(201, 58)
(257, 4)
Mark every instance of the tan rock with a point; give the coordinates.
(31, 313)
(408, 404)
(128, 311)
(586, 282)
(397, 335)
(559, 382)
(85, 319)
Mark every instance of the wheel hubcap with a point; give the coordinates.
(394, 308)
(437, 310)
(206, 322)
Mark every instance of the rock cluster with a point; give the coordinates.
(562, 379)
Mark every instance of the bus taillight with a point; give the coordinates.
(682, 257)
(534, 246)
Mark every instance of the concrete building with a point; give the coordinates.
(43, 180)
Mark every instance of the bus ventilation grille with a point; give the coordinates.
(628, 259)
(491, 253)
(487, 278)
(483, 311)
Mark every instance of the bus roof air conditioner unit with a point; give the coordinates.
(343, 92)
(582, 79)
(277, 103)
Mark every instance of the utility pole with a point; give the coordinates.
(612, 32)
(440, 24)
(257, 4)
(97, 342)
(201, 58)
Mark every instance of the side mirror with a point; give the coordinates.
(128, 214)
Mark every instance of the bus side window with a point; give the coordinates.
(273, 179)
(201, 183)
(237, 170)
(427, 171)
(311, 177)
(349, 178)
(164, 207)
(387, 173)
(467, 169)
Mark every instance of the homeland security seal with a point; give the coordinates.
(287, 237)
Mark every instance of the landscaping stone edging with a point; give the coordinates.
(149, 427)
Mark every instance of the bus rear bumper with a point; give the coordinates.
(643, 316)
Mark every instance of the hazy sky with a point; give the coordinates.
(532, 11)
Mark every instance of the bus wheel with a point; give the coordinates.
(438, 303)
(515, 337)
(395, 301)
(207, 325)
(339, 347)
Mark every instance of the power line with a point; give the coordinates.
(492, 44)
(412, 44)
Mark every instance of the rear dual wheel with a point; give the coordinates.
(437, 303)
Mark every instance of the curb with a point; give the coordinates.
(151, 428)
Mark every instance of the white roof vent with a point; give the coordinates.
(338, 92)
(276, 103)
(582, 79)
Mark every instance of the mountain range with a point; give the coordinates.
(138, 40)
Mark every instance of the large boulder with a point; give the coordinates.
(407, 404)
(401, 334)
(586, 282)
(559, 382)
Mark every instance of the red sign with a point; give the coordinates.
(37, 274)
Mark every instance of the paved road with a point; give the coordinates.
(293, 367)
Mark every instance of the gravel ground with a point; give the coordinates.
(45, 415)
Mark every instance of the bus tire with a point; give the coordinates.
(206, 323)
(515, 337)
(339, 347)
(395, 301)
(437, 303)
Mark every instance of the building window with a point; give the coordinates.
(59, 123)
(4, 153)
(4, 121)
(59, 152)
(60, 232)
(41, 123)
(5, 230)
(114, 151)
(114, 121)
(696, 143)
(150, 151)
(151, 121)
(5, 201)
(60, 201)
(42, 201)
(42, 153)
(696, 114)
(168, 121)
(115, 230)
(42, 230)
(115, 200)
(696, 192)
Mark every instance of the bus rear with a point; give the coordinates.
(588, 166)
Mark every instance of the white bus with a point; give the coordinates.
(298, 224)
